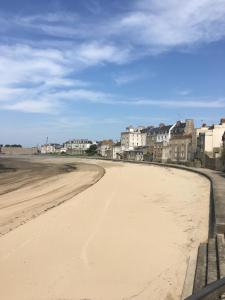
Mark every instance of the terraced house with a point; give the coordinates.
(157, 141)
(77, 146)
(180, 147)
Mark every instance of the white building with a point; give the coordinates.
(78, 146)
(51, 148)
(105, 148)
(117, 151)
(211, 139)
(132, 138)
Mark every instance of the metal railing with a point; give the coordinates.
(213, 291)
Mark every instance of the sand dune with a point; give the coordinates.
(129, 236)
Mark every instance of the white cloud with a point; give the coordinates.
(97, 53)
(172, 23)
(39, 76)
(183, 92)
(197, 103)
(125, 78)
(31, 106)
(157, 26)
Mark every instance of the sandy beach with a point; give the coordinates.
(128, 236)
(29, 187)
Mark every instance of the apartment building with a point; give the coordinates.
(117, 151)
(105, 148)
(51, 148)
(179, 148)
(132, 138)
(77, 146)
(157, 141)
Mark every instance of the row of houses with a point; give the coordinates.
(179, 142)
(76, 146)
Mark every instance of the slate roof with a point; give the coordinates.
(178, 128)
(157, 130)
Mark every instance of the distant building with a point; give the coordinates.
(132, 138)
(212, 137)
(197, 147)
(210, 144)
(136, 155)
(77, 146)
(105, 148)
(117, 152)
(157, 140)
(51, 148)
(180, 144)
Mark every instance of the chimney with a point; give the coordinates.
(222, 121)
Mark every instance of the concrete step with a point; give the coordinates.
(221, 255)
(212, 269)
(210, 265)
(201, 268)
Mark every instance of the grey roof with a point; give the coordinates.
(178, 128)
(157, 130)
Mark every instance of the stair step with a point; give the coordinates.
(212, 271)
(201, 266)
(221, 257)
(221, 254)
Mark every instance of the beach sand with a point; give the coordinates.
(129, 236)
(29, 187)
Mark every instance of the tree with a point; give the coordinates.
(92, 150)
(13, 146)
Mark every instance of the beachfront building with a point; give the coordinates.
(117, 152)
(105, 148)
(157, 141)
(211, 139)
(135, 155)
(77, 146)
(180, 143)
(210, 145)
(197, 147)
(51, 148)
(132, 138)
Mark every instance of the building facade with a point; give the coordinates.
(180, 143)
(157, 141)
(77, 146)
(132, 138)
(51, 148)
(117, 152)
(105, 148)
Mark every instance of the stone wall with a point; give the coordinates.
(19, 151)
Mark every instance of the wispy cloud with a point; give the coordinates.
(42, 81)
(183, 92)
(126, 78)
(157, 26)
(43, 54)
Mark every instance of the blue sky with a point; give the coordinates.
(88, 68)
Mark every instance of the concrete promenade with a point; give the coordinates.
(218, 184)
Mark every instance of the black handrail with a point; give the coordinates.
(211, 292)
